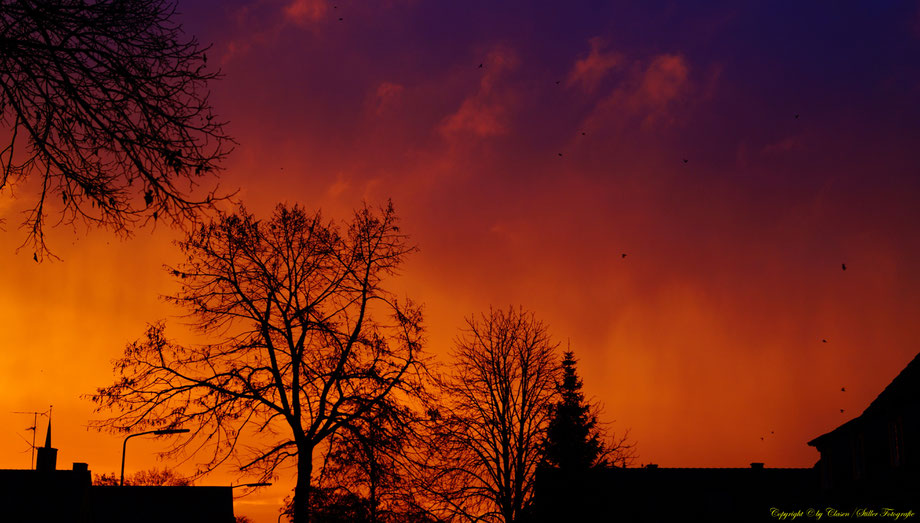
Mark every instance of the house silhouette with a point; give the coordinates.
(875, 457)
(870, 463)
(49, 495)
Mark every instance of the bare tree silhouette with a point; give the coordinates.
(152, 478)
(497, 403)
(306, 340)
(106, 103)
(367, 459)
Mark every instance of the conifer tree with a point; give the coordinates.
(573, 440)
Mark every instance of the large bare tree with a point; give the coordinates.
(304, 338)
(104, 104)
(496, 406)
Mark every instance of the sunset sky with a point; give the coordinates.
(737, 154)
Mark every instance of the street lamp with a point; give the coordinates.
(161, 432)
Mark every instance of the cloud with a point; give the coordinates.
(661, 83)
(305, 11)
(648, 94)
(485, 113)
(590, 70)
(339, 187)
(386, 95)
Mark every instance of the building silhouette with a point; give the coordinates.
(49, 495)
(875, 457)
(871, 462)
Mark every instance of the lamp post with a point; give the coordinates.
(124, 446)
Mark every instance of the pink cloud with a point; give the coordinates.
(662, 82)
(648, 94)
(590, 70)
(485, 113)
(305, 11)
(386, 95)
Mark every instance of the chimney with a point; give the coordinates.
(47, 456)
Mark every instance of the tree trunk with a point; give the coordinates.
(303, 488)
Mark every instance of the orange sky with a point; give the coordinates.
(704, 339)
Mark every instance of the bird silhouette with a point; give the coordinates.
(480, 66)
(583, 133)
(623, 255)
(340, 19)
(686, 160)
(843, 389)
(560, 155)
(796, 116)
(761, 438)
(841, 411)
(771, 432)
(558, 81)
(843, 266)
(823, 341)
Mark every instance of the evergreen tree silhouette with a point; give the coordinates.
(573, 441)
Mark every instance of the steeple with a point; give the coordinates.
(47, 456)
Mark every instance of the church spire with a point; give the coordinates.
(47, 455)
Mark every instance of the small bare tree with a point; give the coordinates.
(367, 459)
(307, 341)
(148, 478)
(106, 103)
(488, 433)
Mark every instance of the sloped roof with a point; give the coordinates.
(904, 388)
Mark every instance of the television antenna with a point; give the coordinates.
(34, 428)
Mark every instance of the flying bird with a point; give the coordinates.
(841, 411)
(843, 266)
(560, 155)
(583, 133)
(796, 116)
(480, 66)
(686, 160)
(823, 341)
(843, 389)
(558, 81)
(340, 19)
(623, 255)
